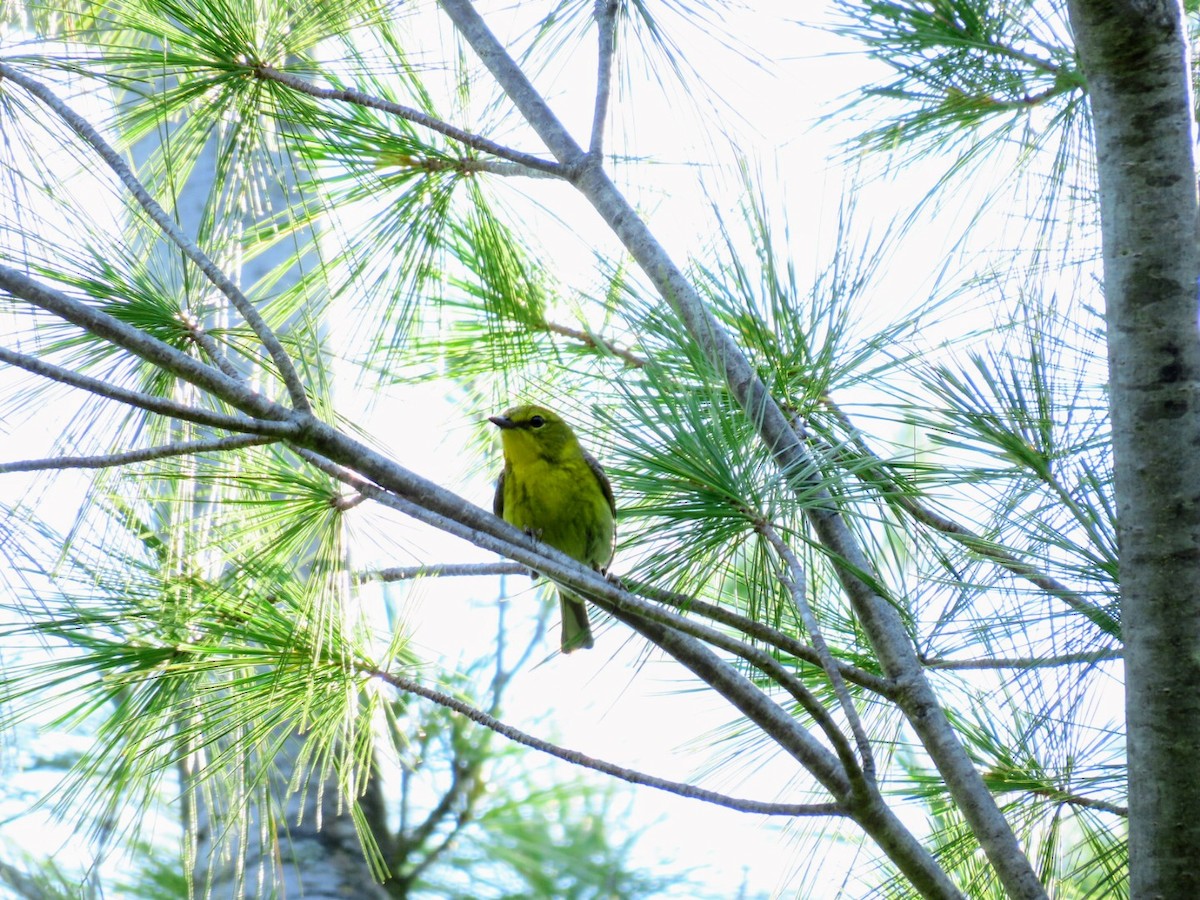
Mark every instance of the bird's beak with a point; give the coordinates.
(502, 421)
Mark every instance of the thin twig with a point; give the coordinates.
(1079, 800)
(792, 577)
(80, 126)
(1086, 657)
(359, 98)
(630, 775)
(110, 460)
(444, 570)
(590, 340)
(206, 343)
(147, 402)
(606, 35)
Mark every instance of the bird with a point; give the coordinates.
(556, 492)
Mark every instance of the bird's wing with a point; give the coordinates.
(498, 500)
(598, 471)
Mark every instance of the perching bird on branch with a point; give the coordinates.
(554, 490)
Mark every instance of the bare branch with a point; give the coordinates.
(80, 126)
(110, 460)
(349, 95)
(444, 570)
(147, 402)
(630, 775)
(1086, 657)
(606, 34)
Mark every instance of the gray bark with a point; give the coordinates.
(1134, 57)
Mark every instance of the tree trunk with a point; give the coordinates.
(1134, 56)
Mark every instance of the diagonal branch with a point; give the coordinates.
(606, 34)
(359, 98)
(630, 775)
(83, 128)
(148, 402)
(233, 390)
(792, 578)
(110, 460)
(763, 632)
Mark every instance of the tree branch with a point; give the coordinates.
(109, 460)
(80, 126)
(762, 632)
(349, 95)
(444, 570)
(793, 579)
(630, 775)
(148, 402)
(233, 390)
(590, 340)
(606, 35)
(1086, 657)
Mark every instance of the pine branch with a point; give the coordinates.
(590, 340)
(232, 390)
(793, 579)
(444, 570)
(988, 550)
(110, 460)
(163, 220)
(137, 399)
(762, 632)
(1087, 657)
(606, 37)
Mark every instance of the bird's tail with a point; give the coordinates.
(576, 629)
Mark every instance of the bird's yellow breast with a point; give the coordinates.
(560, 502)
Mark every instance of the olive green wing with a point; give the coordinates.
(498, 500)
(605, 486)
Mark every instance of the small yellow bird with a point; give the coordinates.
(554, 490)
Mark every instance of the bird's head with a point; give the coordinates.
(532, 432)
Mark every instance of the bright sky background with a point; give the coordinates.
(609, 702)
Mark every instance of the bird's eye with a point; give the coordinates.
(537, 421)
